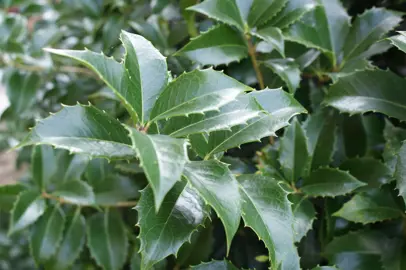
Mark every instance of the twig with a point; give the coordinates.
(252, 54)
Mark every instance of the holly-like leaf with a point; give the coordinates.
(215, 265)
(107, 239)
(368, 170)
(263, 10)
(28, 207)
(8, 195)
(399, 40)
(218, 187)
(163, 233)
(329, 182)
(196, 92)
(370, 90)
(267, 210)
(400, 173)
(146, 72)
(293, 153)
(72, 243)
(43, 165)
(217, 46)
(163, 159)
(288, 70)
(83, 129)
(369, 28)
(76, 192)
(304, 215)
(321, 133)
(273, 36)
(292, 12)
(47, 234)
(370, 207)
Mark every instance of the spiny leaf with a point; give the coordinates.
(146, 71)
(399, 41)
(370, 207)
(163, 233)
(267, 210)
(218, 187)
(8, 195)
(400, 173)
(107, 239)
(291, 13)
(263, 10)
(329, 182)
(76, 192)
(214, 265)
(196, 92)
(83, 129)
(287, 70)
(304, 215)
(370, 90)
(28, 207)
(273, 36)
(47, 234)
(163, 159)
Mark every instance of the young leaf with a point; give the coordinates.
(369, 28)
(329, 182)
(107, 239)
(146, 71)
(196, 92)
(267, 210)
(399, 41)
(47, 234)
(287, 70)
(370, 207)
(292, 12)
(219, 45)
(293, 153)
(28, 207)
(163, 159)
(263, 10)
(75, 192)
(215, 265)
(218, 187)
(370, 90)
(83, 129)
(273, 36)
(72, 243)
(43, 165)
(400, 173)
(163, 233)
(304, 215)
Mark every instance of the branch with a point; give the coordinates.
(252, 54)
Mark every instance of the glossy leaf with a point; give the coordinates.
(107, 239)
(400, 172)
(164, 232)
(28, 207)
(292, 12)
(83, 129)
(215, 265)
(43, 161)
(287, 70)
(75, 192)
(273, 36)
(163, 159)
(47, 234)
(196, 92)
(267, 210)
(329, 182)
(218, 187)
(263, 10)
(304, 215)
(365, 91)
(399, 41)
(370, 207)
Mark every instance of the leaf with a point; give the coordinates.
(215, 265)
(267, 210)
(264, 10)
(321, 133)
(163, 159)
(83, 129)
(273, 36)
(107, 239)
(369, 90)
(28, 207)
(369, 28)
(394, 136)
(110, 71)
(47, 234)
(8, 195)
(329, 182)
(287, 70)
(226, 11)
(218, 187)
(146, 71)
(325, 268)
(198, 91)
(43, 165)
(304, 215)
(292, 12)
(163, 233)
(75, 192)
(399, 41)
(217, 46)
(370, 207)
(72, 243)
(400, 173)
(368, 170)
(293, 153)
(71, 167)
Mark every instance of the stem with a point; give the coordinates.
(63, 201)
(252, 54)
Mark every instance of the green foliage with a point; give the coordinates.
(218, 134)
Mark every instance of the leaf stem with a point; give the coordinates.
(252, 54)
(126, 204)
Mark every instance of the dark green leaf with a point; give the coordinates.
(292, 12)
(75, 192)
(8, 195)
(43, 165)
(215, 265)
(273, 36)
(287, 70)
(399, 41)
(263, 10)
(304, 215)
(400, 173)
